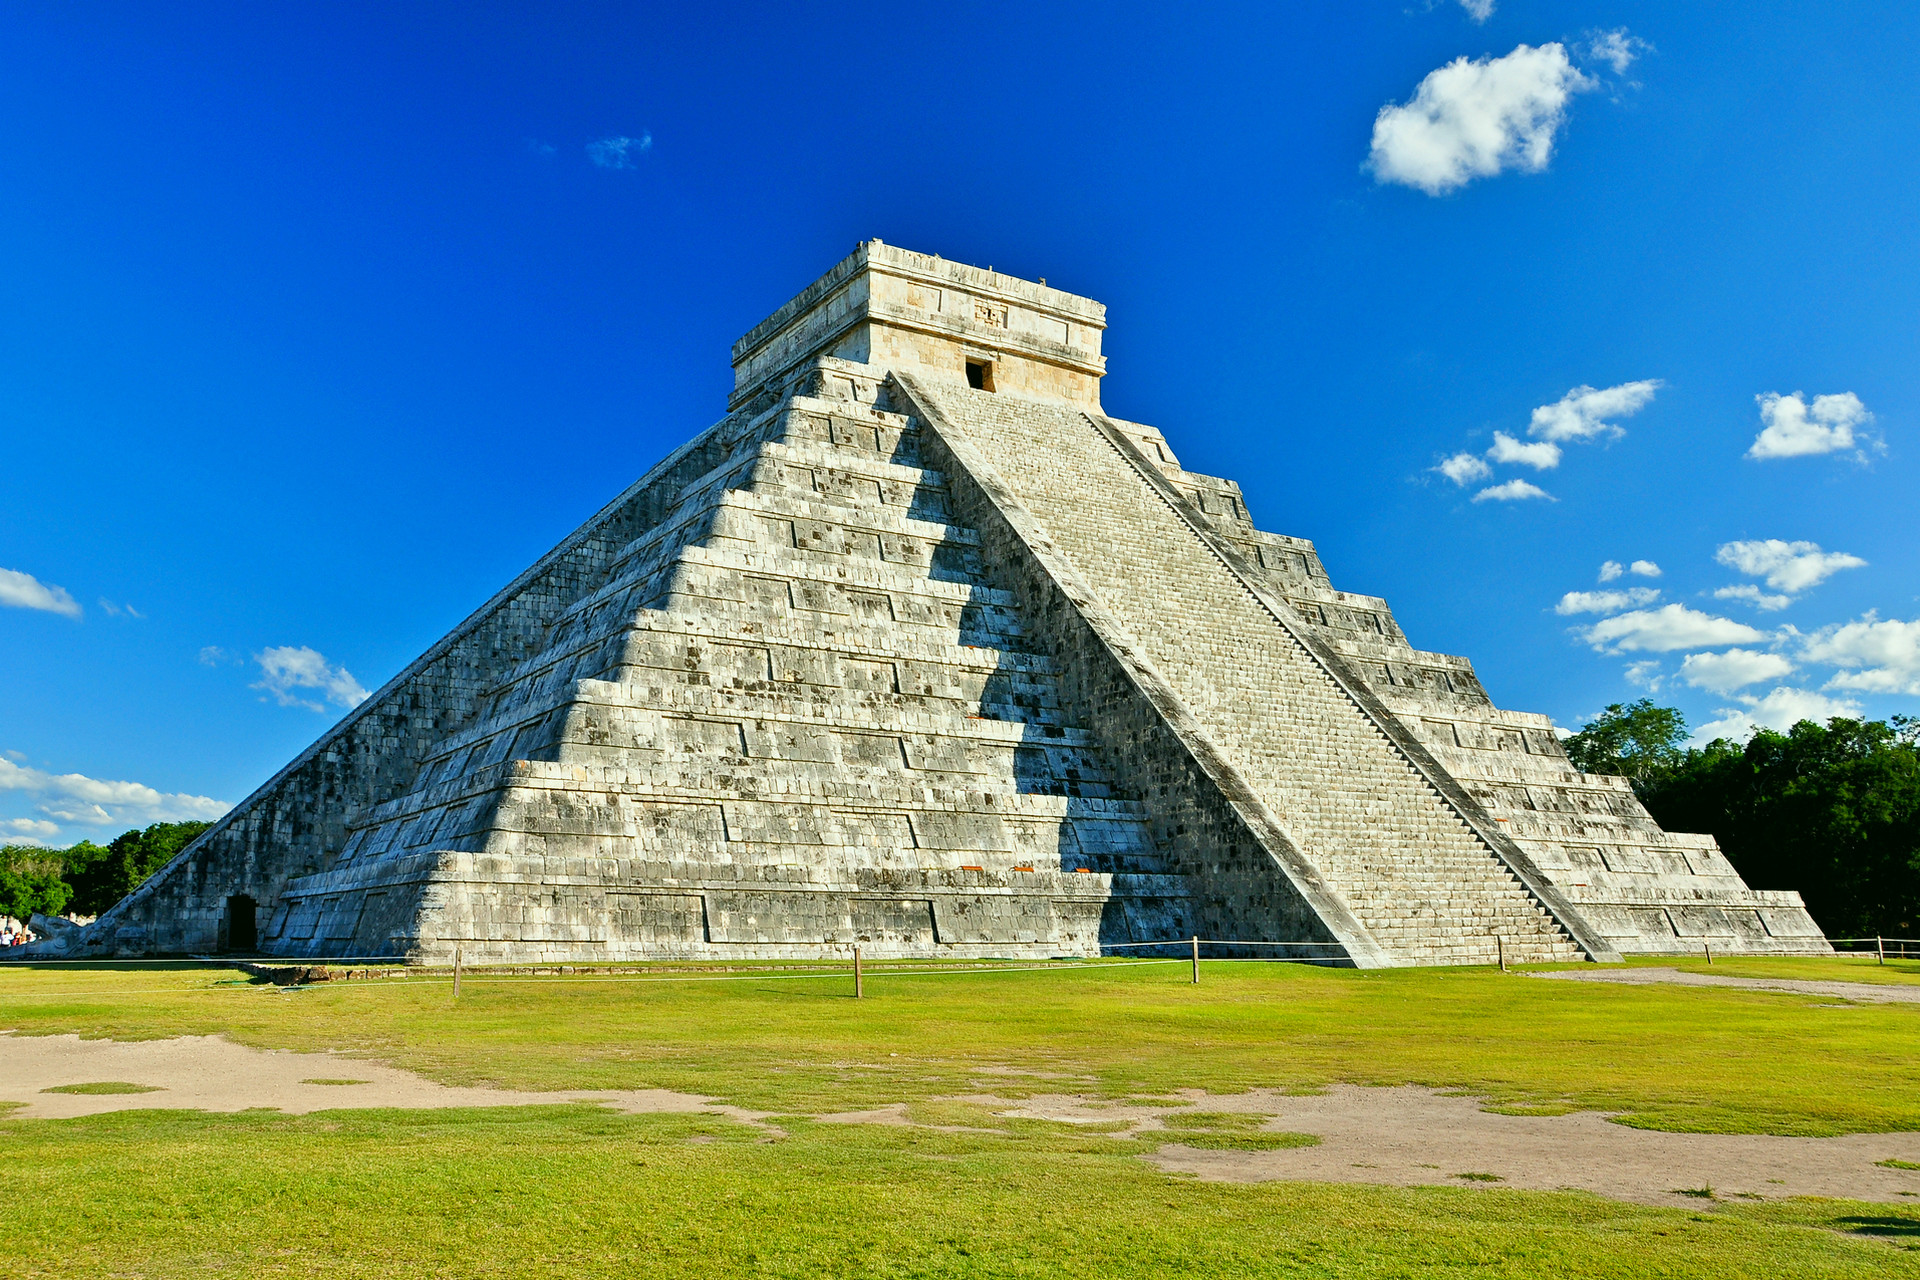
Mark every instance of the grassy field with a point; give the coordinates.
(1668, 1057)
(578, 1191)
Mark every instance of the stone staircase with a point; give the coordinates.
(1412, 871)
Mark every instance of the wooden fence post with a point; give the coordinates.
(1196, 959)
(1500, 946)
(456, 973)
(858, 991)
(1708, 948)
(1880, 946)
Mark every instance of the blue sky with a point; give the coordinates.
(318, 323)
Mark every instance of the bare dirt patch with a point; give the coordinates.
(1412, 1136)
(1408, 1136)
(1866, 992)
(210, 1073)
(894, 1114)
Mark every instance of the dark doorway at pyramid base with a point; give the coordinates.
(241, 925)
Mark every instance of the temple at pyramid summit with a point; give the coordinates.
(919, 649)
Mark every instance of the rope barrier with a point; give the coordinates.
(906, 966)
(1215, 942)
(348, 962)
(642, 971)
(439, 978)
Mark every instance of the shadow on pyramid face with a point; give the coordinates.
(929, 504)
(954, 562)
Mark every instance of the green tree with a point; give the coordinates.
(1638, 741)
(30, 881)
(1831, 811)
(101, 877)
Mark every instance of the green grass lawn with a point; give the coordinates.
(1668, 1057)
(578, 1192)
(581, 1192)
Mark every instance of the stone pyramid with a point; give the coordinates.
(918, 649)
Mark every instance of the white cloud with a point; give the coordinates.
(24, 591)
(1512, 491)
(1581, 414)
(1781, 709)
(1541, 456)
(1464, 469)
(1611, 569)
(1875, 656)
(619, 152)
(1478, 10)
(1753, 596)
(1605, 601)
(1876, 680)
(74, 797)
(1645, 675)
(1584, 412)
(285, 668)
(1786, 707)
(1472, 118)
(1732, 724)
(33, 829)
(1793, 429)
(1669, 627)
(1791, 567)
(113, 610)
(1734, 669)
(88, 814)
(1617, 48)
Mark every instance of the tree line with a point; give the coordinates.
(87, 878)
(1832, 811)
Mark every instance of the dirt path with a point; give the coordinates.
(1397, 1136)
(1868, 992)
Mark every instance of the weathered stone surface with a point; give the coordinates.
(917, 650)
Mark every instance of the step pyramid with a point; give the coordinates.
(917, 649)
